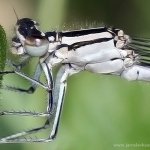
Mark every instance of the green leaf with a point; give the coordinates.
(3, 48)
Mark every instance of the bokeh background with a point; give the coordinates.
(99, 111)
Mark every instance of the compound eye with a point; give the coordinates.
(35, 46)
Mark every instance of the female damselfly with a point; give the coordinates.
(99, 50)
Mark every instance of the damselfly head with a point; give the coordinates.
(27, 27)
(30, 38)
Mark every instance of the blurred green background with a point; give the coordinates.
(99, 111)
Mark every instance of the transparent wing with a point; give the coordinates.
(141, 46)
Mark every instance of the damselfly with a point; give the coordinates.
(99, 50)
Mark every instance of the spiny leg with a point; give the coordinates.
(49, 77)
(29, 91)
(15, 137)
(59, 92)
(35, 80)
(24, 140)
(24, 113)
(54, 117)
(37, 74)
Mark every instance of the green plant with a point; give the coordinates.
(3, 48)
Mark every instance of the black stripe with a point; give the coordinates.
(83, 32)
(84, 43)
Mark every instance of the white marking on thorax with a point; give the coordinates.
(71, 40)
(99, 51)
(93, 53)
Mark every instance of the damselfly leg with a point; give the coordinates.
(34, 83)
(54, 117)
